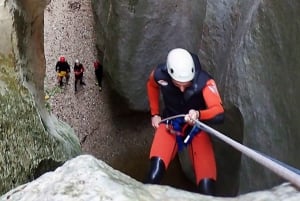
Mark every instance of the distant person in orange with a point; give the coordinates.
(186, 89)
(78, 71)
(62, 68)
(98, 73)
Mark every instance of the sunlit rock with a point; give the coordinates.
(85, 178)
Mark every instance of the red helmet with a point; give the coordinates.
(62, 59)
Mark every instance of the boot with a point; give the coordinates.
(61, 82)
(82, 82)
(207, 186)
(157, 170)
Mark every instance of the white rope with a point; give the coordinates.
(280, 170)
(268, 163)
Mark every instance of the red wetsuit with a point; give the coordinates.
(202, 96)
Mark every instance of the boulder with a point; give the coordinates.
(85, 178)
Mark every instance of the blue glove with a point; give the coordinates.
(178, 124)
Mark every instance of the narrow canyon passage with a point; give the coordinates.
(120, 139)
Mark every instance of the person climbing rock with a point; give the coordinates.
(78, 71)
(62, 69)
(189, 90)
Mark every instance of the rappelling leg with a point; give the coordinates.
(157, 170)
(207, 186)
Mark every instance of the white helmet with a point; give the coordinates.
(180, 65)
(77, 61)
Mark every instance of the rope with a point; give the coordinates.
(172, 117)
(270, 163)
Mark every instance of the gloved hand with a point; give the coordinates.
(178, 124)
(155, 120)
(192, 116)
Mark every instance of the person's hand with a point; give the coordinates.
(155, 120)
(192, 116)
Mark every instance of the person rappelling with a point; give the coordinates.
(186, 89)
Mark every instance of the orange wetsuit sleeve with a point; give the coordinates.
(213, 101)
(153, 94)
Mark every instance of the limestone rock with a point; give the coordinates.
(85, 178)
(32, 141)
(134, 36)
(250, 47)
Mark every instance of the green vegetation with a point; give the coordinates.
(49, 93)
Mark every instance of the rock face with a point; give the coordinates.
(135, 35)
(32, 141)
(255, 61)
(250, 47)
(85, 178)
